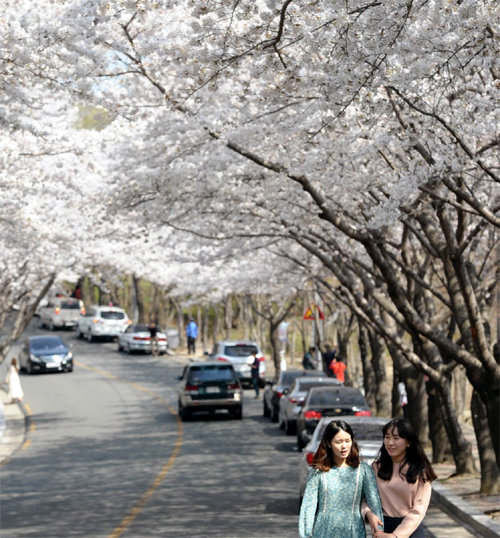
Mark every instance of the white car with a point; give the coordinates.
(368, 433)
(239, 354)
(61, 313)
(137, 338)
(102, 321)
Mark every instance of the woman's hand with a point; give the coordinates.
(374, 522)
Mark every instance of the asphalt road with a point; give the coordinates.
(106, 456)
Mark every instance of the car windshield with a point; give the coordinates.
(111, 314)
(362, 432)
(200, 374)
(73, 305)
(287, 378)
(239, 350)
(49, 342)
(336, 397)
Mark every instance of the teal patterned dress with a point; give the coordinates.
(332, 500)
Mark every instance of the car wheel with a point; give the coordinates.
(266, 412)
(90, 337)
(274, 415)
(289, 428)
(120, 348)
(129, 350)
(70, 369)
(183, 413)
(238, 414)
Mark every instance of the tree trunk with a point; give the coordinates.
(382, 398)
(441, 449)
(490, 483)
(369, 382)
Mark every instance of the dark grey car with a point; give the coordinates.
(209, 386)
(40, 354)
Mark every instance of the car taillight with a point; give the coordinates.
(261, 358)
(233, 386)
(222, 359)
(293, 400)
(364, 413)
(161, 339)
(297, 400)
(191, 389)
(57, 310)
(82, 311)
(140, 338)
(310, 457)
(312, 415)
(96, 320)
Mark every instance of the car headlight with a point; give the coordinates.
(34, 358)
(68, 356)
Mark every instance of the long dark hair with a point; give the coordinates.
(415, 464)
(323, 459)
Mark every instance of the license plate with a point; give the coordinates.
(52, 365)
(213, 389)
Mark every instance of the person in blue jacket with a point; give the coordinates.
(337, 483)
(192, 335)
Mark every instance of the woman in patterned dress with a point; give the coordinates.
(336, 485)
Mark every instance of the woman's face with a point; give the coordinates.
(341, 446)
(395, 445)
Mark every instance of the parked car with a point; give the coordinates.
(61, 313)
(327, 402)
(293, 399)
(367, 431)
(137, 338)
(239, 354)
(274, 390)
(209, 386)
(40, 354)
(102, 322)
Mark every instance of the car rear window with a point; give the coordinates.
(111, 314)
(287, 378)
(305, 386)
(239, 350)
(327, 397)
(70, 305)
(139, 329)
(201, 374)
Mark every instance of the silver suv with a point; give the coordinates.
(239, 354)
(60, 313)
(102, 322)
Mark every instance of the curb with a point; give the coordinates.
(462, 511)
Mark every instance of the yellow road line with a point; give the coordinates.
(141, 503)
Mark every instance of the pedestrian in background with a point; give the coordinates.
(337, 483)
(337, 367)
(192, 335)
(404, 476)
(15, 391)
(328, 356)
(308, 359)
(153, 337)
(255, 366)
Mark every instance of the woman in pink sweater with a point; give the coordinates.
(404, 475)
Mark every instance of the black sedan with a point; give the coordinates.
(41, 354)
(328, 402)
(274, 391)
